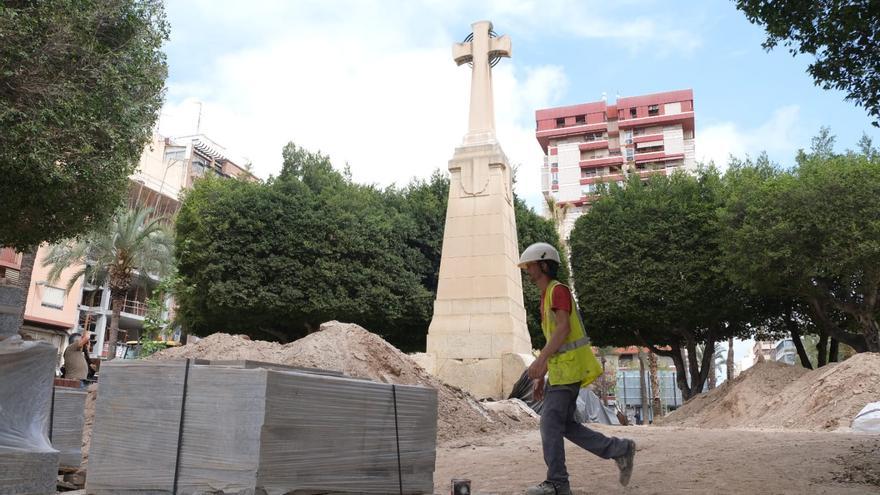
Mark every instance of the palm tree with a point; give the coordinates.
(132, 242)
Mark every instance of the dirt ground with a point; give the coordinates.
(673, 460)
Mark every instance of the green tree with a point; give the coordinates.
(810, 235)
(80, 90)
(843, 36)
(647, 265)
(532, 228)
(275, 260)
(131, 248)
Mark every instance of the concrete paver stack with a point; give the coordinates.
(252, 430)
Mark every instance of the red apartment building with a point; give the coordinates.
(592, 143)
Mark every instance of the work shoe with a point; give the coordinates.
(625, 462)
(549, 488)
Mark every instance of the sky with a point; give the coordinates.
(373, 84)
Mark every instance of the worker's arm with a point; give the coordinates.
(563, 328)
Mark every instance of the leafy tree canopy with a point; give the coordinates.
(844, 36)
(80, 90)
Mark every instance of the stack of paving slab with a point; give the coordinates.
(28, 463)
(252, 429)
(68, 417)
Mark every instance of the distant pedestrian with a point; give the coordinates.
(571, 364)
(75, 366)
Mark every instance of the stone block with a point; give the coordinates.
(512, 367)
(480, 377)
(498, 286)
(455, 288)
(510, 343)
(450, 324)
(462, 346)
(486, 245)
(425, 360)
(493, 323)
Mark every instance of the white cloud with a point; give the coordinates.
(779, 136)
(389, 109)
(366, 83)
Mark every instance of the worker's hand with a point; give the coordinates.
(538, 369)
(538, 389)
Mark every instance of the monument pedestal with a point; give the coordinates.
(478, 339)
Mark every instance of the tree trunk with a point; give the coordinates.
(730, 367)
(643, 387)
(28, 258)
(822, 349)
(834, 351)
(871, 331)
(802, 353)
(656, 407)
(712, 377)
(116, 302)
(681, 373)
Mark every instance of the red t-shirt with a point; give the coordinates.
(560, 299)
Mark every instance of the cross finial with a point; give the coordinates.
(481, 49)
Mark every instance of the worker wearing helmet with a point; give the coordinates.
(571, 364)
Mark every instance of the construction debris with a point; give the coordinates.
(28, 463)
(355, 352)
(178, 427)
(776, 395)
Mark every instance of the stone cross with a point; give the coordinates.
(480, 51)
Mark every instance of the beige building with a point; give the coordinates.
(168, 166)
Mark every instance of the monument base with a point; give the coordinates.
(483, 378)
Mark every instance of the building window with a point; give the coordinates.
(653, 110)
(588, 190)
(628, 137)
(53, 297)
(555, 176)
(580, 119)
(560, 122)
(632, 113)
(590, 172)
(630, 154)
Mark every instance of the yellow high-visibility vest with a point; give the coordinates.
(575, 361)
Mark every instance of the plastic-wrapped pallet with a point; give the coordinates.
(257, 431)
(68, 416)
(28, 463)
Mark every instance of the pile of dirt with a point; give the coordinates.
(776, 395)
(354, 351)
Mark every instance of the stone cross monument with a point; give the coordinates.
(478, 339)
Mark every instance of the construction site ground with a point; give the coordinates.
(676, 460)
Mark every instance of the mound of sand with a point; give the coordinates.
(775, 395)
(354, 351)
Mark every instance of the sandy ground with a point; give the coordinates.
(674, 460)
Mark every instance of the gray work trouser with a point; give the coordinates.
(557, 422)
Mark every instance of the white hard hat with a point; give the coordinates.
(539, 251)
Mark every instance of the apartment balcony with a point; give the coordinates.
(685, 118)
(601, 162)
(647, 138)
(598, 179)
(657, 156)
(599, 144)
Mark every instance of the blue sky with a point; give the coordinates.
(372, 83)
